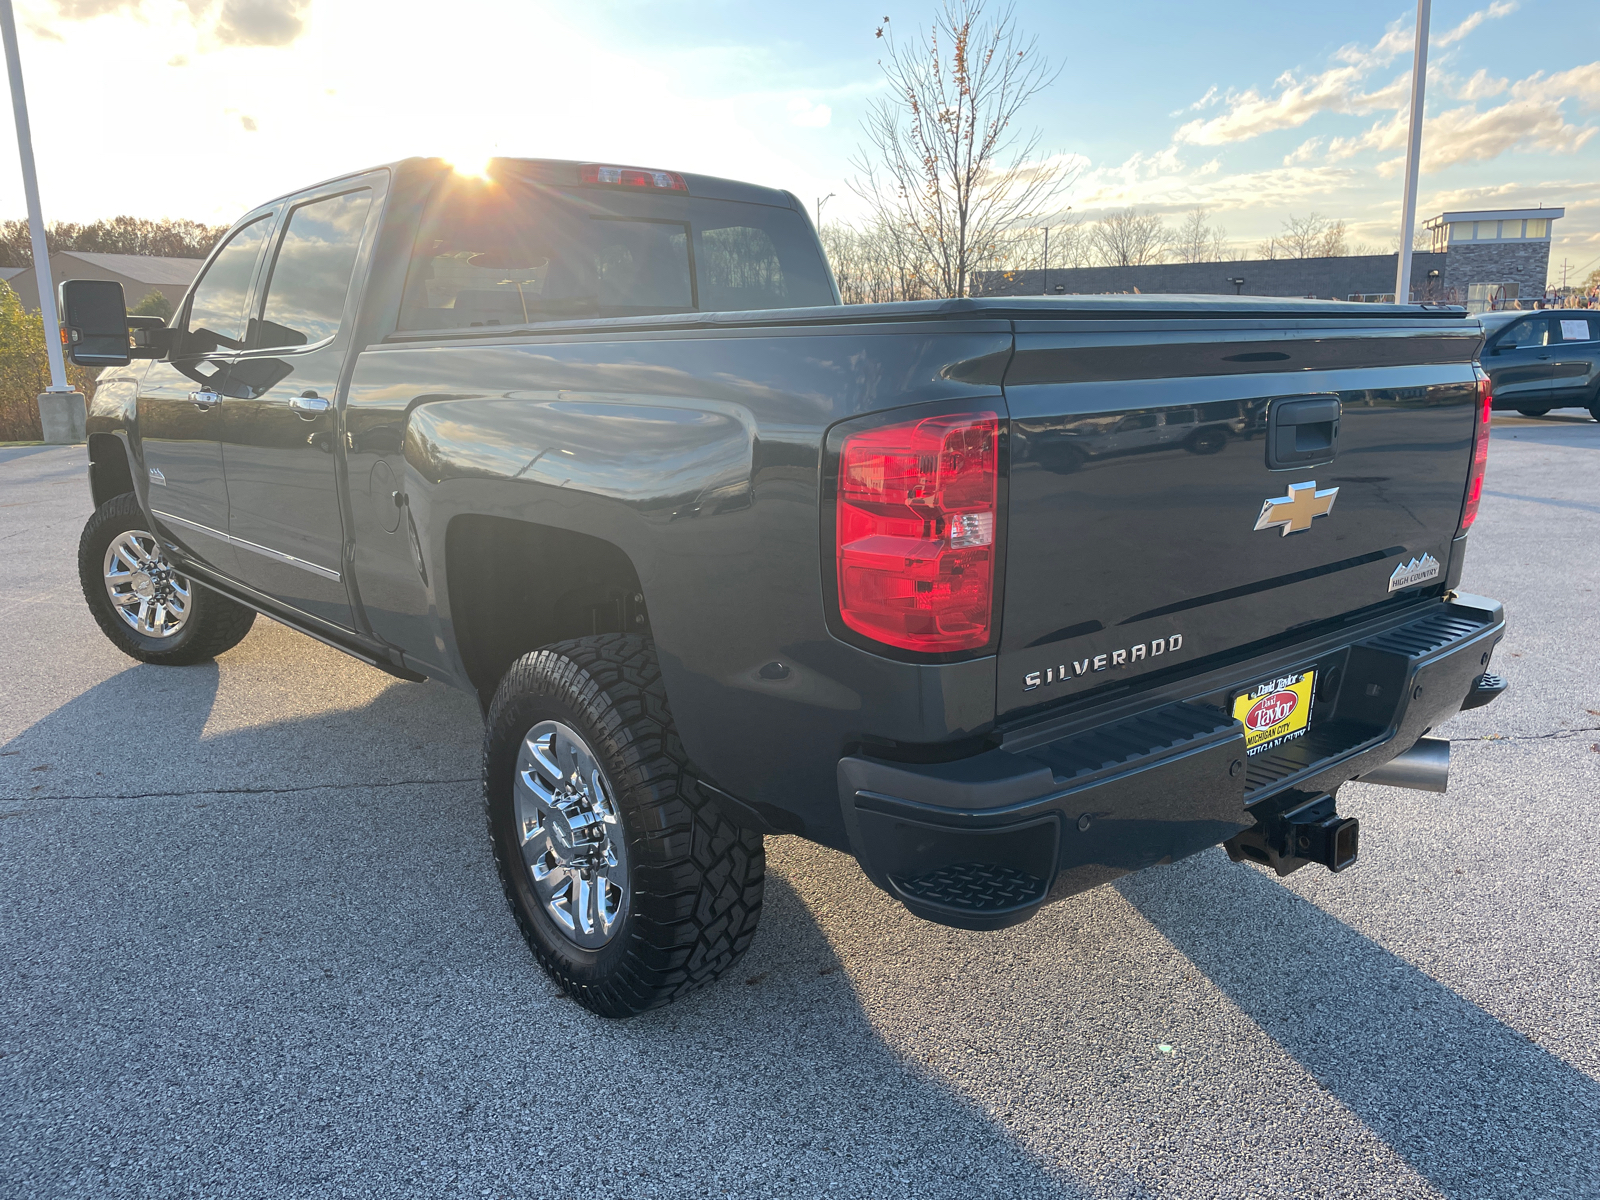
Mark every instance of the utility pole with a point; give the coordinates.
(1408, 213)
(1045, 290)
(30, 188)
(821, 200)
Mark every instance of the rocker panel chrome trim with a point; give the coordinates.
(265, 551)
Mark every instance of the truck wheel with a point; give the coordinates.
(148, 609)
(629, 885)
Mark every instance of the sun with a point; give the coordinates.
(471, 164)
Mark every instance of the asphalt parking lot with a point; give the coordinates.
(253, 945)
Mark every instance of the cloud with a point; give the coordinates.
(1398, 39)
(236, 23)
(1304, 152)
(1481, 86)
(1250, 114)
(1581, 84)
(1466, 135)
(804, 113)
(1340, 89)
(260, 22)
(82, 10)
(1500, 8)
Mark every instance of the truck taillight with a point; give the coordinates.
(668, 181)
(1480, 454)
(916, 531)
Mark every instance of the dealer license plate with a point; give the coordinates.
(1275, 711)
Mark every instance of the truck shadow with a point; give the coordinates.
(298, 923)
(1445, 1084)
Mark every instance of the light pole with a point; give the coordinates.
(821, 200)
(1044, 288)
(30, 189)
(1408, 214)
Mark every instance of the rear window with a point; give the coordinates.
(512, 252)
(1578, 328)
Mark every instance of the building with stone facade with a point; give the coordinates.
(1486, 259)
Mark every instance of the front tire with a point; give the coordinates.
(150, 610)
(1533, 412)
(629, 885)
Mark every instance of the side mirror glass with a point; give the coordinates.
(95, 318)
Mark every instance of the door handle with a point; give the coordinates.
(310, 406)
(206, 399)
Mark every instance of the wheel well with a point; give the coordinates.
(109, 474)
(515, 586)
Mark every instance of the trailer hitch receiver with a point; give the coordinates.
(1309, 832)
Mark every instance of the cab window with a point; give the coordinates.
(310, 278)
(515, 251)
(216, 317)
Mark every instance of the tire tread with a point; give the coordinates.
(697, 877)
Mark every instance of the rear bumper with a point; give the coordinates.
(1066, 805)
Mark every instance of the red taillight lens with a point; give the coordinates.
(1480, 455)
(915, 532)
(669, 181)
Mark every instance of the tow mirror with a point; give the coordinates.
(95, 322)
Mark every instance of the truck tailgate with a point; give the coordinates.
(1139, 472)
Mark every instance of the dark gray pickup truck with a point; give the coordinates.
(1004, 597)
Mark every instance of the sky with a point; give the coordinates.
(1254, 111)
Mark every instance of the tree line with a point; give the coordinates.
(167, 237)
(882, 259)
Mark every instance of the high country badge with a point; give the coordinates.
(1418, 570)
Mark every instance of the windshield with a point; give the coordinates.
(511, 252)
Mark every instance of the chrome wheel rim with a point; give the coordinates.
(147, 595)
(571, 835)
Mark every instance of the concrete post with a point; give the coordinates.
(62, 416)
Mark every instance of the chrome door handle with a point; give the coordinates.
(205, 399)
(310, 406)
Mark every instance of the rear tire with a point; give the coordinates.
(149, 610)
(626, 807)
(1533, 412)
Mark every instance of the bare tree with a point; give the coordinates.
(874, 265)
(1302, 236)
(1310, 236)
(1198, 240)
(1129, 238)
(943, 163)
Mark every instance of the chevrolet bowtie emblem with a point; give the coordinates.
(1296, 511)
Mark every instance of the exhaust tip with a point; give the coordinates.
(1423, 768)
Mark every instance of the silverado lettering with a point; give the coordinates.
(1101, 662)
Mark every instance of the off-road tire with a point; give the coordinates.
(215, 623)
(695, 878)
